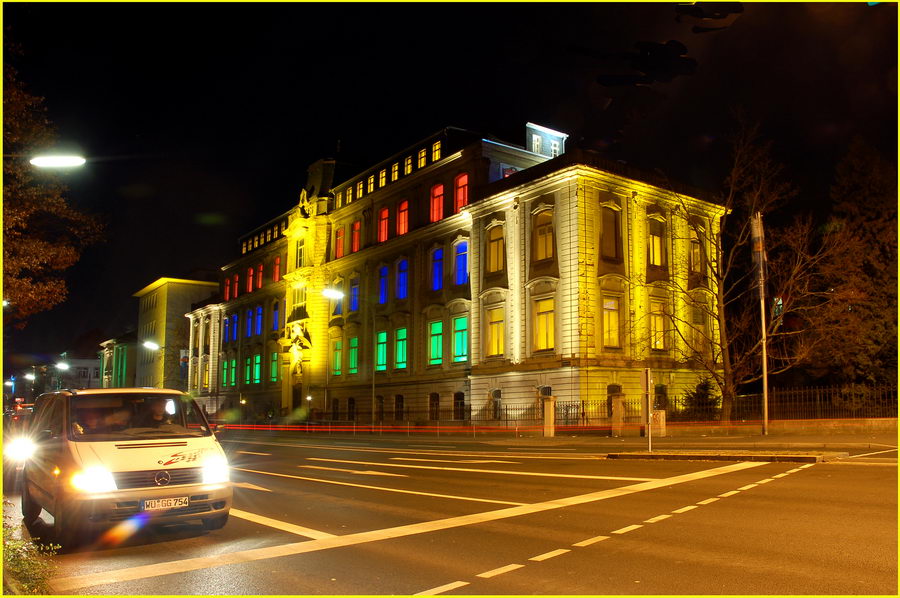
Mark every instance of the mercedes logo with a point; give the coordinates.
(162, 478)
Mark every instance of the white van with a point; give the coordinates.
(105, 456)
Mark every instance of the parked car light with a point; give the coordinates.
(93, 480)
(20, 449)
(215, 470)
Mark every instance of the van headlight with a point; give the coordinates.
(215, 470)
(20, 449)
(93, 480)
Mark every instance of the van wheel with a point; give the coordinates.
(30, 509)
(215, 522)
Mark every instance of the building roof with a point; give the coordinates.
(163, 281)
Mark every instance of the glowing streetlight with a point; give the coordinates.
(62, 366)
(30, 377)
(58, 161)
(151, 345)
(9, 383)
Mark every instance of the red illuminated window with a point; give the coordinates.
(235, 286)
(382, 225)
(227, 289)
(437, 203)
(250, 280)
(403, 218)
(259, 276)
(276, 269)
(339, 243)
(354, 236)
(460, 192)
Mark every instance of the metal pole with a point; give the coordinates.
(759, 253)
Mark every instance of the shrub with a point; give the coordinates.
(26, 563)
(701, 404)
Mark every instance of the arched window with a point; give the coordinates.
(434, 406)
(259, 276)
(234, 327)
(611, 235)
(259, 320)
(543, 235)
(612, 391)
(249, 330)
(227, 289)
(235, 286)
(437, 203)
(382, 285)
(275, 316)
(402, 218)
(337, 304)
(496, 249)
(461, 263)
(225, 329)
(402, 279)
(437, 269)
(398, 407)
(351, 409)
(379, 408)
(459, 405)
(355, 229)
(383, 214)
(276, 269)
(250, 279)
(460, 192)
(497, 401)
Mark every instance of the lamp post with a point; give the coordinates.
(337, 296)
(155, 347)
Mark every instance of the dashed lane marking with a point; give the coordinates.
(780, 475)
(355, 471)
(550, 555)
(381, 488)
(65, 584)
(590, 541)
(747, 487)
(708, 501)
(808, 465)
(625, 530)
(444, 588)
(494, 471)
(499, 571)
(893, 450)
(471, 461)
(766, 481)
(727, 494)
(252, 453)
(657, 518)
(281, 525)
(249, 486)
(685, 509)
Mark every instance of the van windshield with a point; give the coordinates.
(130, 416)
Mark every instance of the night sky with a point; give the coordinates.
(199, 120)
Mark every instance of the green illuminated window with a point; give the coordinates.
(233, 377)
(273, 374)
(354, 355)
(247, 371)
(400, 349)
(381, 351)
(257, 368)
(461, 338)
(436, 343)
(337, 357)
(225, 373)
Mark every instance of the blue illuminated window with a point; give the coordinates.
(402, 279)
(249, 329)
(437, 270)
(461, 275)
(234, 328)
(354, 294)
(382, 284)
(275, 316)
(226, 329)
(259, 319)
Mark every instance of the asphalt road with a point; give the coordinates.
(413, 516)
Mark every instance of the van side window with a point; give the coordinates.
(49, 415)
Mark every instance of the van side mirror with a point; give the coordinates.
(43, 435)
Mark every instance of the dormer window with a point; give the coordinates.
(536, 144)
(370, 184)
(407, 165)
(436, 151)
(422, 157)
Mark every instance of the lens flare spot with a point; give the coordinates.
(124, 530)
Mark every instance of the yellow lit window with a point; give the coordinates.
(407, 165)
(657, 325)
(339, 199)
(359, 189)
(422, 157)
(382, 178)
(349, 194)
(370, 184)
(543, 235)
(495, 332)
(495, 249)
(695, 256)
(611, 322)
(395, 171)
(655, 243)
(543, 324)
(436, 151)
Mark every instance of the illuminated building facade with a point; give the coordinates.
(117, 361)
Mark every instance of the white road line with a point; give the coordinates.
(414, 452)
(356, 471)
(550, 555)
(249, 486)
(708, 501)
(441, 589)
(808, 465)
(252, 453)
(780, 475)
(383, 489)
(471, 461)
(281, 525)
(893, 450)
(440, 446)
(590, 541)
(727, 494)
(64, 584)
(499, 571)
(625, 530)
(494, 471)
(747, 487)
(766, 481)
(793, 470)
(685, 509)
(657, 518)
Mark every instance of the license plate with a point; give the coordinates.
(156, 504)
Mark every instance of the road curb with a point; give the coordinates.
(806, 458)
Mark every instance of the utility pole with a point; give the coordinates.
(759, 257)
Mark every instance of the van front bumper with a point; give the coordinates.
(101, 511)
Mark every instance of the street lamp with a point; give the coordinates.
(338, 295)
(57, 161)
